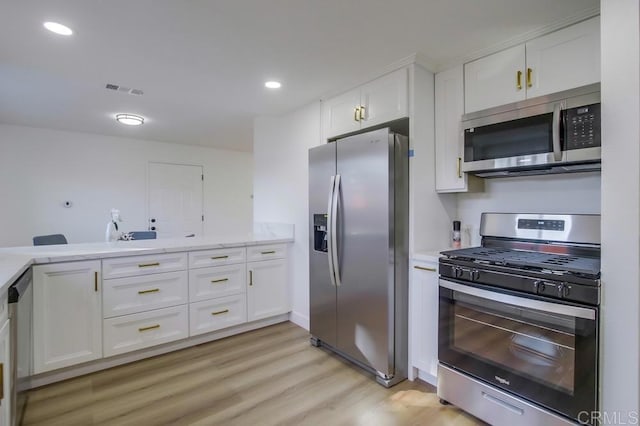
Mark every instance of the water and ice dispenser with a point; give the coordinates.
(320, 232)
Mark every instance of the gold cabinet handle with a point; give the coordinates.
(146, 265)
(363, 112)
(422, 268)
(356, 113)
(220, 312)
(268, 252)
(153, 290)
(250, 277)
(519, 80)
(220, 280)
(151, 327)
(529, 80)
(95, 281)
(220, 257)
(459, 167)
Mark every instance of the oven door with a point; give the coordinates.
(539, 350)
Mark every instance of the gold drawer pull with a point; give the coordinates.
(220, 280)
(220, 312)
(145, 265)
(422, 268)
(269, 252)
(153, 290)
(151, 327)
(220, 257)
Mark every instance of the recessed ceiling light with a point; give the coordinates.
(57, 28)
(129, 119)
(272, 85)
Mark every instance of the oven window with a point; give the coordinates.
(525, 136)
(538, 345)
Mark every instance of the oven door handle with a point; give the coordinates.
(556, 308)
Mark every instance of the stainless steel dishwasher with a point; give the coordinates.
(20, 314)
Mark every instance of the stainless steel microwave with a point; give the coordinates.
(557, 133)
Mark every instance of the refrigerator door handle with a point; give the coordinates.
(334, 230)
(330, 231)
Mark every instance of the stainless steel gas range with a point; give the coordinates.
(518, 320)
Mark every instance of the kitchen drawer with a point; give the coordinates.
(266, 252)
(143, 265)
(137, 331)
(218, 313)
(130, 295)
(218, 281)
(225, 256)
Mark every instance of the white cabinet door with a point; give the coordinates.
(423, 319)
(339, 114)
(5, 368)
(267, 290)
(67, 314)
(385, 98)
(493, 80)
(564, 59)
(449, 101)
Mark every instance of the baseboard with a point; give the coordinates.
(299, 319)
(429, 378)
(104, 363)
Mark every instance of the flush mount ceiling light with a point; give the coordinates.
(57, 28)
(129, 119)
(272, 84)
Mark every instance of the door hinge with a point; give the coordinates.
(202, 177)
(203, 218)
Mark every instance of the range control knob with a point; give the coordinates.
(563, 290)
(457, 272)
(538, 287)
(475, 275)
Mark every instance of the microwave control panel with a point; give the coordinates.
(582, 127)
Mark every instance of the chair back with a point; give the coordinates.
(48, 240)
(143, 235)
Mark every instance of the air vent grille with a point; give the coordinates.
(123, 89)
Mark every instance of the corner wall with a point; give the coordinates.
(281, 194)
(41, 168)
(620, 314)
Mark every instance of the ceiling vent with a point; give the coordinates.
(124, 89)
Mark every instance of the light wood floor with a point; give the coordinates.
(270, 376)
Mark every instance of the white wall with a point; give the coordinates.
(40, 169)
(570, 193)
(280, 150)
(620, 24)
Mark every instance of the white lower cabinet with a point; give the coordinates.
(5, 372)
(67, 314)
(137, 331)
(217, 281)
(423, 319)
(136, 294)
(215, 314)
(267, 290)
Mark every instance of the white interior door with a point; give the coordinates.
(175, 200)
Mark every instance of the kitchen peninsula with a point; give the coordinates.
(97, 305)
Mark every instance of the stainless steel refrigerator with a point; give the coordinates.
(358, 267)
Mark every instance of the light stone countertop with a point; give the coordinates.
(15, 260)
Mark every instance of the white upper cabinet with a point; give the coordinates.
(449, 101)
(495, 79)
(381, 100)
(564, 59)
(561, 60)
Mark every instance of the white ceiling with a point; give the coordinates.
(202, 64)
